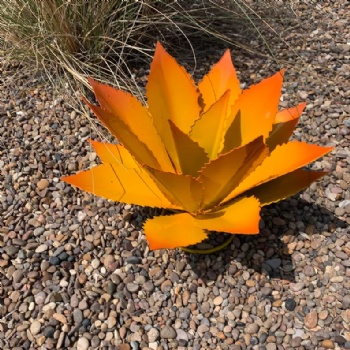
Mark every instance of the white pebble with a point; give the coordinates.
(83, 344)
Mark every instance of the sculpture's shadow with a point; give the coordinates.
(284, 227)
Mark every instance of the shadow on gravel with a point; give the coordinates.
(288, 226)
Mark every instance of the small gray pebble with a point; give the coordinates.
(134, 345)
(290, 304)
(262, 338)
(168, 332)
(346, 302)
(49, 331)
(340, 340)
(54, 260)
(274, 263)
(133, 260)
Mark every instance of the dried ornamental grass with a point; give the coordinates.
(70, 40)
(212, 154)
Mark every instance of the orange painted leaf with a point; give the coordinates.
(257, 108)
(285, 186)
(191, 156)
(282, 160)
(114, 153)
(181, 230)
(171, 94)
(122, 106)
(222, 175)
(290, 113)
(183, 190)
(118, 183)
(209, 129)
(130, 141)
(173, 231)
(222, 77)
(241, 216)
(284, 126)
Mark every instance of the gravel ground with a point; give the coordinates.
(76, 271)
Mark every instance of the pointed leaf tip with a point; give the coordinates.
(221, 77)
(285, 186)
(209, 129)
(284, 125)
(126, 118)
(171, 94)
(119, 183)
(256, 108)
(282, 160)
(122, 132)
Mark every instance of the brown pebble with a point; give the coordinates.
(218, 300)
(323, 315)
(168, 332)
(271, 339)
(33, 274)
(132, 287)
(148, 286)
(3, 263)
(221, 335)
(328, 344)
(95, 263)
(185, 297)
(315, 244)
(153, 335)
(250, 283)
(60, 340)
(277, 303)
(122, 332)
(123, 347)
(35, 327)
(108, 261)
(310, 320)
(247, 338)
(23, 327)
(111, 321)
(337, 279)
(59, 317)
(252, 328)
(15, 295)
(271, 346)
(82, 278)
(40, 297)
(309, 270)
(17, 276)
(42, 248)
(166, 286)
(278, 221)
(40, 340)
(296, 287)
(42, 184)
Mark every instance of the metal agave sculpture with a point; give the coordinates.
(211, 154)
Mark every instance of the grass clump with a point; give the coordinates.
(77, 37)
(103, 39)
